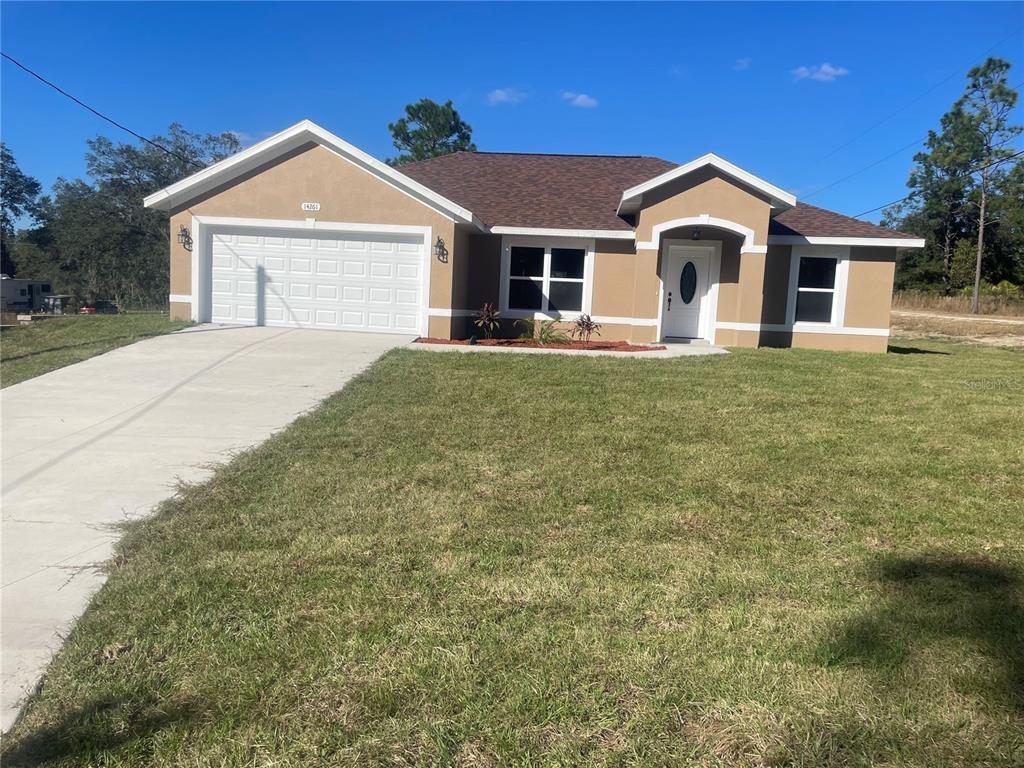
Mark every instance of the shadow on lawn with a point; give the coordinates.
(931, 599)
(90, 343)
(84, 735)
(893, 350)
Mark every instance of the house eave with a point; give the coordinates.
(780, 199)
(279, 144)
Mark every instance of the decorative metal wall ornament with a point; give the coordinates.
(185, 237)
(440, 251)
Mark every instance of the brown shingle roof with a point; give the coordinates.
(523, 190)
(812, 221)
(583, 192)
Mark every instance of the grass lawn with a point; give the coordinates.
(768, 558)
(45, 345)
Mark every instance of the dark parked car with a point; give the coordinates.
(101, 307)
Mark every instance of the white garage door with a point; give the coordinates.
(350, 282)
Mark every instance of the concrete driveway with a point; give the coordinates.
(91, 445)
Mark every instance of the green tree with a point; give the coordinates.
(19, 194)
(966, 166)
(429, 130)
(989, 101)
(940, 182)
(95, 239)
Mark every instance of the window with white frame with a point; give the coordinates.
(547, 279)
(816, 289)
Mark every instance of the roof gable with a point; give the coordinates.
(288, 140)
(632, 198)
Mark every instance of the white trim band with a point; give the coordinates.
(802, 328)
(703, 220)
(180, 298)
(603, 234)
(882, 242)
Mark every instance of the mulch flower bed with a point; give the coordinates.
(603, 346)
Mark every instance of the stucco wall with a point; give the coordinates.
(615, 277)
(704, 191)
(483, 271)
(346, 193)
(869, 290)
(775, 286)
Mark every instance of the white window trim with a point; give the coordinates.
(842, 256)
(547, 243)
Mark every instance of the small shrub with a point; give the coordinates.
(543, 332)
(486, 319)
(528, 328)
(583, 326)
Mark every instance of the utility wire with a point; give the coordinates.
(974, 170)
(891, 155)
(915, 100)
(879, 162)
(99, 114)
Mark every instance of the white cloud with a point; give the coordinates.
(742, 64)
(824, 73)
(579, 99)
(508, 95)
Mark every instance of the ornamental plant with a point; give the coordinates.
(487, 319)
(583, 326)
(541, 331)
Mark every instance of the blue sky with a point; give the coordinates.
(778, 89)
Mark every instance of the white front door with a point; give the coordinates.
(685, 276)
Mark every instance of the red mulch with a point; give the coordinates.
(604, 346)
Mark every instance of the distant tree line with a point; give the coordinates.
(967, 196)
(92, 238)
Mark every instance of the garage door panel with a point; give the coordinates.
(371, 283)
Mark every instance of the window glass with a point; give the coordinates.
(688, 282)
(814, 306)
(565, 297)
(525, 294)
(567, 262)
(527, 262)
(817, 272)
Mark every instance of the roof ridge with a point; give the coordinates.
(538, 154)
(568, 154)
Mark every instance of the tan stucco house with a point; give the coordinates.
(304, 229)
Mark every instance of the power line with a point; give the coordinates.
(974, 170)
(879, 162)
(917, 99)
(99, 114)
(865, 168)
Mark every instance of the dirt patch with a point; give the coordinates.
(594, 346)
(986, 331)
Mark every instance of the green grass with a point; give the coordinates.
(770, 558)
(45, 345)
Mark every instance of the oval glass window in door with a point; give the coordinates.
(688, 282)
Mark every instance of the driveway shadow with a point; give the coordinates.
(85, 734)
(936, 599)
